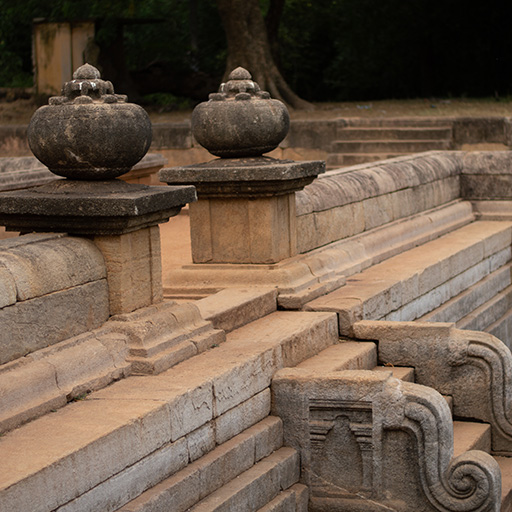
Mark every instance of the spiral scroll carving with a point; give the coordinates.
(470, 482)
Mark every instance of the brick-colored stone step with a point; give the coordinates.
(348, 355)
(294, 499)
(471, 436)
(109, 448)
(395, 133)
(256, 487)
(389, 146)
(234, 308)
(202, 477)
(411, 284)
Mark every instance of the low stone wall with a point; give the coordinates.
(346, 202)
(307, 139)
(52, 287)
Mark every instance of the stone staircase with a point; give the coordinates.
(340, 360)
(361, 143)
(197, 436)
(203, 435)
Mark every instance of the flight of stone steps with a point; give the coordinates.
(197, 436)
(467, 435)
(367, 142)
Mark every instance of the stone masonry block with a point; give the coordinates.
(7, 288)
(257, 486)
(201, 441)
(97, 432)
(243, 416)
(59, 315)
(134, 271)
(242, 230)
(131, 482)
(283, 502)
(26, 390)
(46, 266)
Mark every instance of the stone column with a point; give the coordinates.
(90, 136)
(246, 202)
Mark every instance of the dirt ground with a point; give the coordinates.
(20, 111)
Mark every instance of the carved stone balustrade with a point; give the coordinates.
(474, 368)
(91, 136)
(371, 442)
(245, 213)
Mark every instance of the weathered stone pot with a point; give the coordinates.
(89, 133)
(240, 120)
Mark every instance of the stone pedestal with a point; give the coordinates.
(121, 218)
(246, 207)
(243, 226)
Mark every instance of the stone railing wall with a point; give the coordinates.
(360, 432)
(52, 287)
(474, 368)
(344, 203)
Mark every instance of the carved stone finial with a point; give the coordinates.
(86, 72)
(240, 120)
(87, 87)
(240, 73)
(89, 133)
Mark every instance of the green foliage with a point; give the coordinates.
(329, 49)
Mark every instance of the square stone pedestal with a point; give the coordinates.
(122, 219)
(245, 230)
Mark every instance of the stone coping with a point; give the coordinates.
(247, 177)
(349, 185)
(80, 207)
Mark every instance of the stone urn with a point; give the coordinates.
(240, 120)
(89, 133)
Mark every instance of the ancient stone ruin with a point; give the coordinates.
(340, 342)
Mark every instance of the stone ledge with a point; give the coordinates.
(94, 208)
(118, 426)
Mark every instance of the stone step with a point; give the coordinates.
(202, 477)
(395, 133)
(400, 372)
(257, 486)
(122, 440)
(494, 316)
(294, 499)
(470, 309)
(409, 285)
(388, 146)
(230, 309)
(392, 122)
(348, 355)
(471, 436)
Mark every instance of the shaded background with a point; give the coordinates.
(328, 50)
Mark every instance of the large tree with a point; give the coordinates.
(249, 46)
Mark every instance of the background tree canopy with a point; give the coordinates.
(327, 50)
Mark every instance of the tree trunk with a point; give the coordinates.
(272, 22)
(248, 46)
